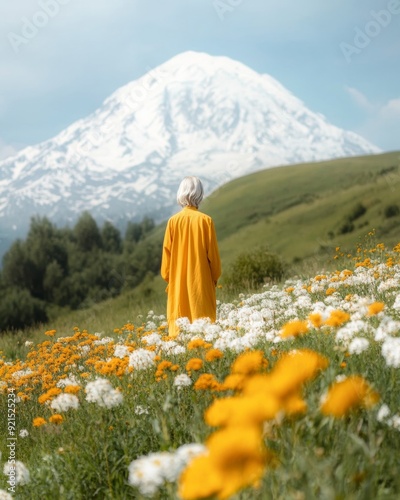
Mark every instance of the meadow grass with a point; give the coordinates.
(298, 210)
(94, 442)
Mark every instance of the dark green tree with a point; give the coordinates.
(111, 238)
(86, 233)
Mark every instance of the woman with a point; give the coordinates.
(190, 261)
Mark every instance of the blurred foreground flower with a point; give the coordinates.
(348, 394)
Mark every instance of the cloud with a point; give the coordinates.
(360, 99)
(382, 121)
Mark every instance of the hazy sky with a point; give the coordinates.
(341, 57)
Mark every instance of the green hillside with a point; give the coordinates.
(301, 210)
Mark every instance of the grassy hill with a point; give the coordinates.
(300, 211)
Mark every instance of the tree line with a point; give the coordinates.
(70, 268)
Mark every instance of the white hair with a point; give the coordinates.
(190, 192)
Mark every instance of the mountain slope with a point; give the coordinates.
(300, 210)
(195, 114)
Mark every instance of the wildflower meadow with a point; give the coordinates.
(293, 393)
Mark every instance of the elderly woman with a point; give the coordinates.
(190, 261)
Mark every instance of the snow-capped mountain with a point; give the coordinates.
(196, 114)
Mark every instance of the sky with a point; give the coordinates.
(60, 59)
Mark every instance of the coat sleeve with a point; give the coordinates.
(213, 253)
(166, 253)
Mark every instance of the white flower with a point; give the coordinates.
(148, 473)
(4, 495)
(150, 325)
(101, 391)
(383, 413)
(121, 351)
(182, 380)
(104, 340)
(63, 402)
(152, 339)
(28, 343)
(84, 349)
(142, 359)
(391, 351)
(394, 422)
(20, 471)
(68, 381)
(140, 410)
(358, 345)
(23, 433)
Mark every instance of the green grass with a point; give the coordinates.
(298, 210)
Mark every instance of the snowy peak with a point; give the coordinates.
(195, 114)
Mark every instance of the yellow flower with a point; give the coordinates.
(348, 394)
(294, 404)
(194, 364)
(249, 362)
(242, 411)
(234, 382)
(375, 308)
(316, 319)
(50, 333)
(330, 291)
(56, 419)
(72, 389)
(294, 328)
(337, 318)
(238, 455)
(236, 459)
(197, 343)
(207, 381)
(200, 479)
(38, 421)
(290, 372)
(54, 391)
(213, 354)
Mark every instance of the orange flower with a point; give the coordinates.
(194, 364)
(330, 291)
(72, 389)
(38, 421)
(337, 318)
(198, 343)
(375, 308)
(54, 391)
(249, 362)
(56, 419)
(213, 354)
(294, 328)
(207, 381)
(348, 394)
(316, 319)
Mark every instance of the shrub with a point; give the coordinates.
(357, 212)
(18, 309)
(347, 227)
(253, 269)
(391, 211)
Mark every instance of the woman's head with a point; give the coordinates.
(190, 192)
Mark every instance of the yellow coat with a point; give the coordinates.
(191, 266)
